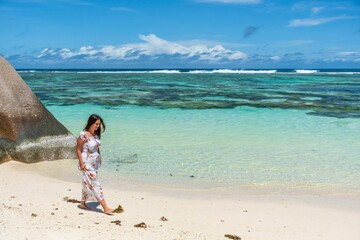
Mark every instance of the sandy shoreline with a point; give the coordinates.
(32, 207)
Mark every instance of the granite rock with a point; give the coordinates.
(28, 131)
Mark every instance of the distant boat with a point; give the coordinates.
(306, 71)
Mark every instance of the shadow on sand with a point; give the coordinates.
(93, 207)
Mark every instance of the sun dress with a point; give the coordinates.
(91, 187)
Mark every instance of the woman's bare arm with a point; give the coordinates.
(79, 147)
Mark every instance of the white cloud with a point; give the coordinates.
(314, 21)
(346, 56)
(47, 52)
(84, 51)
(158, 46)
(231, 1)
(335, 59)
(111, 52)
(66, 53)
(237, 56)
(347, 53)
(188, 43)
(316, 10)
(153, 47)
(275, 58)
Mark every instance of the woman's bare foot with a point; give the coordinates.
(84, 206)
(109, 211)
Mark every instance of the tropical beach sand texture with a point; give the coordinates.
(32, 207)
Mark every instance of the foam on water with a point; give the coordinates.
(193, 71)
(164, 71)
(245, 71)
(232, 71)
(302, 71)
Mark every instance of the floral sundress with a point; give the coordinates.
(91, 187)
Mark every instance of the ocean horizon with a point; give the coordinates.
(198, 70)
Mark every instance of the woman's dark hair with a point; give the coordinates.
(92, 119)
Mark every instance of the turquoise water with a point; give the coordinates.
(286, 130)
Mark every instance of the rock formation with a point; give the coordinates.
(28, 131)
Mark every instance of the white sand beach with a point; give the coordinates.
(32, 206)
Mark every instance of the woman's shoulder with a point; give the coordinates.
(83, 136)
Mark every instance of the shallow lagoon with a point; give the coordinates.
(223, 129)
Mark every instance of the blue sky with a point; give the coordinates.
(180, 34)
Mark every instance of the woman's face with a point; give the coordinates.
(95, 125)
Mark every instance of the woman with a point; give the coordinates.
(89, 157)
